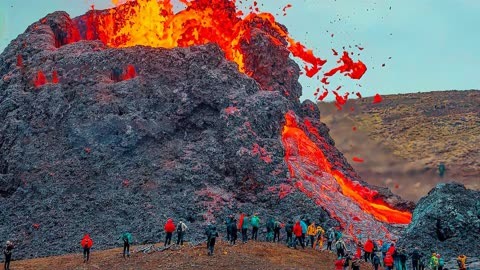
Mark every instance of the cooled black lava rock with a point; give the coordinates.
(446, 221)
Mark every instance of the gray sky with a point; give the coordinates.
(433, 44)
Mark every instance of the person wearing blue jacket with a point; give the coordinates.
(304, 226)
(384, 250)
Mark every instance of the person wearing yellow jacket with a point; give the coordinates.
(320, 233)
(311, 233)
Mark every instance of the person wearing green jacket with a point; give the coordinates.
(255, 221)
(127, 240)
(245, 226)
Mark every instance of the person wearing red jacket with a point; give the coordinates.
(388, 261)
(297, 231)
(86, 244)
(368, 249)
(339, 264)
(169, 229)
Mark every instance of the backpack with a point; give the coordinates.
(339, 245)
(212, 232)
(441, 262)
(277, 225)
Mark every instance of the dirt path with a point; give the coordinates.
(242, 256)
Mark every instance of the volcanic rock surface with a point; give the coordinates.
(446, 221)
(100, 140)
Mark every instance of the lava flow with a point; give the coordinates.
(317, 178)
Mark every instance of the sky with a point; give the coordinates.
(425, 45)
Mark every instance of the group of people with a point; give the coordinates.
(301, 232)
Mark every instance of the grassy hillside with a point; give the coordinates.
(404, 138)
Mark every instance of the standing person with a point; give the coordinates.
(245, 226)
(320, 231)
(181, 230)
(289, 231)
(433, 262)
(356, 263)
(402, 256)
(416, 256)
(376, 261)
(304, 226)
(384, 249)
(330, 238)
(126, 237)
(441, 262)
(227, 223)
(388, 261)
(86, 244)
(341, 248)
(276, 231)
(462, 262)
(255, 222)
(311, 233)
(368, 250)
(441, 169)
(7, 252)
(212, 235)
(297, 231)
(169, 229)
(233, 230)
(270, 224)
(339, 264)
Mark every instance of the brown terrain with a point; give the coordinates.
(252, 255)
(404, 138)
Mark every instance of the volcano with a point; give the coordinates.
(103, 130)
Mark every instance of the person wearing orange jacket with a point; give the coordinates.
(86, 244)
(169, 229)
(368, 250)
(388, 261)
(297, 231)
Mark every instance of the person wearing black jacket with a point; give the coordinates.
(212, 235)
(7, 251)
(289, 231)
(232, 229)
(416, 257)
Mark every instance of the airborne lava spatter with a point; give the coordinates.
(317, 178)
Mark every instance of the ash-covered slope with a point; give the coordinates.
(446, 221)
(98, 140)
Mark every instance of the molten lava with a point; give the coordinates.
(309, 166)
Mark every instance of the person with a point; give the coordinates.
(227, 223)
(255, 222)
(304, 226)
(270, 226)
(297, 231)
(212, 235)
(86, 244)
(368, 250)
(462, 262)
(276, 231)
(416, 256)
(441, 169)
(320, 231)
(348, 261)
(233, 230)
(441, 262)
(330, 238)
(181, 230)
(169, 229)
(245, 226)
(126, 237)
(289, 231)
(341, 248)
(356, 263)
(311, 233)
(433, 262)
(388, 261)
(384, 249)
(402, 257)
(376, 261)
(339, 264)
(7, 252)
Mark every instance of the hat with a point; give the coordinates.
(9, 243)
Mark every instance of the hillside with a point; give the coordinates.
(242, 256)
(404, 138)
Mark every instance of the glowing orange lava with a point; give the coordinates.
(307, 161)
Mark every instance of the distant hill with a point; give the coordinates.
(403, 139)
